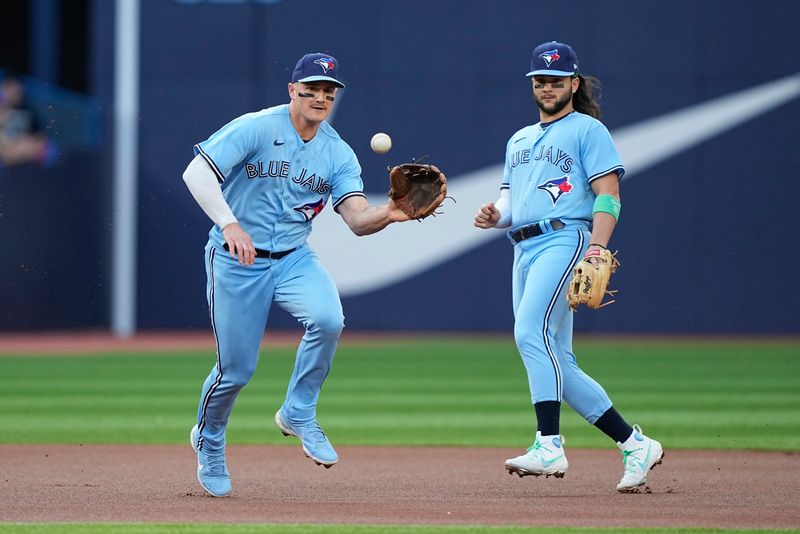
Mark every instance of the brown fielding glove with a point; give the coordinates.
(417, 189)
(589, 283)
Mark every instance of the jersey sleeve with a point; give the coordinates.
(230, 145)
(599, 155)
(347, 180)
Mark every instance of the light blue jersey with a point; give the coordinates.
(549, 169)
(274, 182)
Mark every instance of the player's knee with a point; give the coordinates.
(240, 375)
(522, 335)
(527, 337)
(328, 325)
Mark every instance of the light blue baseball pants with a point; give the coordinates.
(239, 300)
(543, 322)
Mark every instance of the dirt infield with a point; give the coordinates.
(386, 485)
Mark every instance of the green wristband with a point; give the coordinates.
(607, 204)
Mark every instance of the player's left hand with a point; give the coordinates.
(590, 277)
(395, 213)
(417, 189)
(593, 253)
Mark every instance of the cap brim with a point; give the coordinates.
(547, 72)
(321, 79)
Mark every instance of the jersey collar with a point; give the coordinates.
(545, 125)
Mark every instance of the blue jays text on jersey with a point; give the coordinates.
(557, 157)
(280, 169)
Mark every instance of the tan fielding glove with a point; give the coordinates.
(590, 282)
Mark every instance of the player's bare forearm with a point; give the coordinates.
(602, 228)
(365, 219)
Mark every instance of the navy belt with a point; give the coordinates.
(535, 230)
(266, 254)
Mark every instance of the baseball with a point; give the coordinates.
(381, 143)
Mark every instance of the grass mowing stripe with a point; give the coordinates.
(473, 392)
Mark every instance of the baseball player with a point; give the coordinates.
(262, 179)
(560, 200)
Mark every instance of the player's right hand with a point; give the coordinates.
(487, 216)
(240, 244)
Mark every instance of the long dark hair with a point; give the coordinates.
(584, 100)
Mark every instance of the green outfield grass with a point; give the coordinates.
(465, 392)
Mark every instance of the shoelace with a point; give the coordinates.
(538, 449)
(537, 446)
(215, 464)
(314, 433)
(630, 466)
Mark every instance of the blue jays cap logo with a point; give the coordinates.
(326, 63)
(556, 188)
(550, 56)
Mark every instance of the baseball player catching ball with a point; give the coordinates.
(262, 179)
(560, 199)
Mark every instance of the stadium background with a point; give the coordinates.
(705, 238)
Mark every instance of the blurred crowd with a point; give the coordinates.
(23, 138)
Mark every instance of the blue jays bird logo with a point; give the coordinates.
(550, 56)
(326, 63)
(311, 210)
(556, 188)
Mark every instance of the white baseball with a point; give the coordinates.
(381, 143)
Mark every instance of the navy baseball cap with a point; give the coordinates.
(553, 59)
(317, 67)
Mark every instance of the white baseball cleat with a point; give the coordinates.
(639, 455)
(545, 457)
